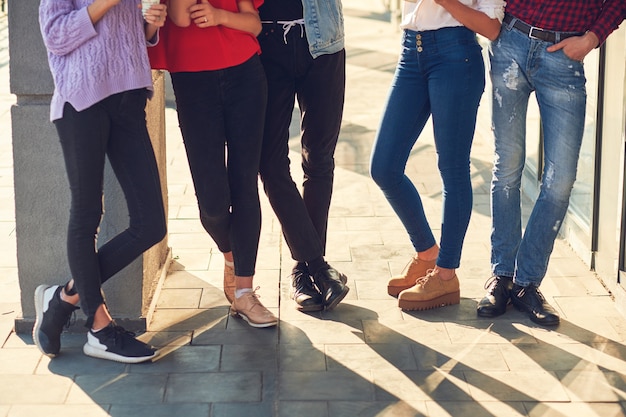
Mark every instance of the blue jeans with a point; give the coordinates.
(221, 115)
(115, 128)
(443, 78)
(519, 66)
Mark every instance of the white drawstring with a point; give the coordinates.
(287, 25)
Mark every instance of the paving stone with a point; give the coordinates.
(122, 388)
(327, 386)
(60, 410)
(33, 389)
(214, 387)
(377, 408)
(160, 410)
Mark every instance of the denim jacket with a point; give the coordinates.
(323, 22)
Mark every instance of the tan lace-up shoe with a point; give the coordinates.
(229, 283)
(249, 308)
(429, 292)
(417, 268)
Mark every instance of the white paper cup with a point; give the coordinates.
(145, 5)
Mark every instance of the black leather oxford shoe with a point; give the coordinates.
(498, 295)
(530, 300)
(304, 292)
(332, 285)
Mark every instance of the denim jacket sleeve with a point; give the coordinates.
(323, 22)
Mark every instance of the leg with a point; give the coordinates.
(457, 83)
(84, 162)
(201, 122)
(406, 112)
(245, 99)
(132, 158)
(321, 96)
(560, 90)
(300, 234)
(511, 91)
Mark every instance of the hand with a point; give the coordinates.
(204, 15)
(576, 47)
(156, 15)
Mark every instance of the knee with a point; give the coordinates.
(318, 166)
(383, 175)
(157, 232)
(557, 186)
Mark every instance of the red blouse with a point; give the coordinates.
(193, 49)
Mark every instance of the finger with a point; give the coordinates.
(556, 46)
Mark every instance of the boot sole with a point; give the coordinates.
(444, 300)
(532, 317)
(338, 299)
(242, 316)
(309, 309)
(395, 291)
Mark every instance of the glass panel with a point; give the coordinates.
(581, 202)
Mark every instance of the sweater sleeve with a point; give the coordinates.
(63, 27)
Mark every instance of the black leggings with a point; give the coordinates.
(115, 128)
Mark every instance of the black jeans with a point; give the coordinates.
(114, 128)
(319, 86)
(221, 115)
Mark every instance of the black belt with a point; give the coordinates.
(538, 33)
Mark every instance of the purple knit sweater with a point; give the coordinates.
(91, 62)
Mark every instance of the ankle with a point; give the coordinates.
(69, 295)
(239, 292)
(429, 254)
(445, 274)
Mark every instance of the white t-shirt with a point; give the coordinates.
(420, 15)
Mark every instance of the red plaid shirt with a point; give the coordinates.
(598, 16)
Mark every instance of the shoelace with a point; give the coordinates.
(118, 334)
(287, 25)
(491, 282)
(71, 319)
(423, 280)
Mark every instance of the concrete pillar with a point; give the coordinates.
(42, 192)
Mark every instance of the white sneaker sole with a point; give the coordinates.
(39, 300)
(94, 352)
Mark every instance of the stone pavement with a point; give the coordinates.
(365, 358)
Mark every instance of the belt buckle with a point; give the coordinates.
(530, 33)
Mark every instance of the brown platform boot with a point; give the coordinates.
(417, 268)
(429, 292)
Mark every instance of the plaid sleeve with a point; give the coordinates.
(613, 13)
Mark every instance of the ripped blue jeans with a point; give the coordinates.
(519, 66)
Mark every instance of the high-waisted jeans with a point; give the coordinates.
(441, 74)
(519, 66)
(114, 128)
(221, 115)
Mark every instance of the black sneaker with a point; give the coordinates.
(304, 292)
(52, 315)
(530, 300)
(117, 344)
(332, 285)
(498, 295)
